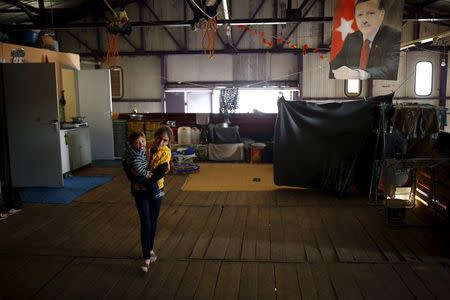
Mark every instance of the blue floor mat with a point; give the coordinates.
(73, 188)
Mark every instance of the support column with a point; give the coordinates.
(443, 80)
(163, 76)
(369, 88)
(300, 76)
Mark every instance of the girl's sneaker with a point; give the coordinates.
(153, 257)
(3, 216)
(14, 211)
(145, 266)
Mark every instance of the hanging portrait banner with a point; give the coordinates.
(366, 39)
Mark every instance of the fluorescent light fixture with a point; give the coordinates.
(427, 40)
(424, 40)
(225, 10)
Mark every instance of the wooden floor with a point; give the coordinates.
(285, 244)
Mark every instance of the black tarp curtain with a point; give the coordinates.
(327, 146)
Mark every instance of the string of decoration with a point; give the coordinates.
(209, 37)
(268, 40)
(112, 53)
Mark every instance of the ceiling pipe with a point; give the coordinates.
(176, 23)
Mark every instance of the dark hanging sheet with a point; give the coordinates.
(325, 145)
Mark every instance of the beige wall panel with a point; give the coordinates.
(250, 67)
(407, 32)
(307, 33)
(428, 29)
(199, 68)
(315, 78)
(141, 77)
(382, 87)
(283, 66)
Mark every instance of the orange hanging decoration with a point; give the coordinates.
(209, 37)
(112, 52)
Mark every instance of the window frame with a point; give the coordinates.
(122, 91)
(415, 78)
(352, 95)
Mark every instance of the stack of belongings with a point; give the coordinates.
(183, 161)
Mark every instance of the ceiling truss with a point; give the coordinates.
(39, 18)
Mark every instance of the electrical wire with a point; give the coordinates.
(195, 3)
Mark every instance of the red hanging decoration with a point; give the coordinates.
(305, 49)
(112, 52)
(279, 40)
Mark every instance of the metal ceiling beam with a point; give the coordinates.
(41, 11)
(24, 8)
(184, 29)
(218, 51)
(164, 28)
(172, 23)
(298, 12)
(252, 18)
(93, 53)
(141, 30)
(10, 10)
(422, 18)
(429, 2)
(296, 25)
(127, 39)
(184, 23)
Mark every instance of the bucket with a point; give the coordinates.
(195, 135)
(184, 135)
(395, 211)
(175, 135)
(256, 152)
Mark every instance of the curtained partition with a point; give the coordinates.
(325, 145)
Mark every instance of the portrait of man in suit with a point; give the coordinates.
(371, 52)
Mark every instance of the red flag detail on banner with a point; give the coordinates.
(280, 41)
(343, 25)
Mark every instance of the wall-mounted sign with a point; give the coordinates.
(366, 39)
(18, 56)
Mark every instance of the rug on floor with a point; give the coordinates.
(73, 188)
(231, 177)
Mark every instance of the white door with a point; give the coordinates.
(96, 104)
(31, 102)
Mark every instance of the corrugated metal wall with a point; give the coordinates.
(142, 74)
